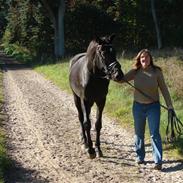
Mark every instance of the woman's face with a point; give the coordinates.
(145, 60)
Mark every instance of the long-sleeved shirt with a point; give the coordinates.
(149, 81)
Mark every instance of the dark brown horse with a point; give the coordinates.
(89, 78)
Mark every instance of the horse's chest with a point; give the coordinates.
(96, 89)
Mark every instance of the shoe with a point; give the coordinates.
(158, 166)
(139, 162)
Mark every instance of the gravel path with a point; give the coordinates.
(43, 138)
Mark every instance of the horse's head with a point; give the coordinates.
(107, 61)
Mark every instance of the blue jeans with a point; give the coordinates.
(141, 112)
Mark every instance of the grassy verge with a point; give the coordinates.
(57, 73)
(120, 97)
(3, 157)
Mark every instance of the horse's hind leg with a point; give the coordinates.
(77, 102)
(98, 125)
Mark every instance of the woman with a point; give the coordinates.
(148, 79)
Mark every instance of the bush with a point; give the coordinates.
(17, 51)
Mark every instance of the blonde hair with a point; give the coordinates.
(137, 63)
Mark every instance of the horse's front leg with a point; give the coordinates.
(98, 125)
(81, 119)
(86, 107)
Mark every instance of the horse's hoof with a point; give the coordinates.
(92, 156)
(91, 153)
(99, 154)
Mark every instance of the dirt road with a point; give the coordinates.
(43, 139)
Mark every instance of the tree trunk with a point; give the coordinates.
(57, 18)
(158, 36)
(59, 30)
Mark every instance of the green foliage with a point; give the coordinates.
(171, 26)
(28, 24)
(29, 27)
(3, 14)
(80, 31)
(18, 52)
(7, 36)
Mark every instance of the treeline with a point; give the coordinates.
(28, 24)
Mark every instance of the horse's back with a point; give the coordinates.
(76, 73)
(76, 58)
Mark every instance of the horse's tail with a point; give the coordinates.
(75, 59)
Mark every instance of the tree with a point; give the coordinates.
(3, 14)
(158, 36)
(56, 11)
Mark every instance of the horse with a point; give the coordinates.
(89, 77)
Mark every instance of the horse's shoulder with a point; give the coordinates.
(76, 58)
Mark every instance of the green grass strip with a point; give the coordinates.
(3, 157)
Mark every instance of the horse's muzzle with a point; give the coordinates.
(115, 71)
(118, 76)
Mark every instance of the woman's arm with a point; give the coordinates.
(164, 90)
(128, 76)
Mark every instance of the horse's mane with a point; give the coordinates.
(91, 50)
(91, 55)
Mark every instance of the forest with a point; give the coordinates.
(58, 28)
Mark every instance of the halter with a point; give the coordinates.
(114, 65)
(107, 69)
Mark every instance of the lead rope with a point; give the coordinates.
(174, 124)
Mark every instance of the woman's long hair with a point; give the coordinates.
(137, 63)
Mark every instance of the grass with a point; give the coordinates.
(120, 96)
(57, 73)
(3, 156)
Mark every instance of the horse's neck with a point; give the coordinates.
(92, 63)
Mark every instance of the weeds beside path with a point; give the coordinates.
(3, 157)
(43, 139)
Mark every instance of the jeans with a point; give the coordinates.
(152, 113)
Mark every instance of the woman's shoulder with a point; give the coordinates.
(157, 68)
(158, 71)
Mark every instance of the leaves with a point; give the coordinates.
(28, 24)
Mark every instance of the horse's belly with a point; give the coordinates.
(89, 92)
(77, 88)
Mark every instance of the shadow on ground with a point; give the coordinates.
(16, 173)
(178, 167)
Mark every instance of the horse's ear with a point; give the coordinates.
(111, 37)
